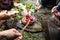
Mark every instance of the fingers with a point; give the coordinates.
(3, 12)
(19, 35)
(54, 9)
(20, 38)
(3, 15)
(16, 32)
(12, 34)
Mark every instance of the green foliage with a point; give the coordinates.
(21, 0)
(19, 8)
(27, 5)
(18, 16)
(32, 36)
(33, 6)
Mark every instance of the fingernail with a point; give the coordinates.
(19, 33)
(20, 37)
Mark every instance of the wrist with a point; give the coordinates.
(1, 33)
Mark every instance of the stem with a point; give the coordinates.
(26, 25)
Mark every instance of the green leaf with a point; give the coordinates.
(21, 0)
(19, 16)
(19, 8)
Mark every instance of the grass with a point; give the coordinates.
(32, 36)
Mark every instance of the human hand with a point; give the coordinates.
(11, 34)
(4, 15)
(38, 5)
(7, 14)
(54, 9)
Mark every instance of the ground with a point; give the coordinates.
(35, 36)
